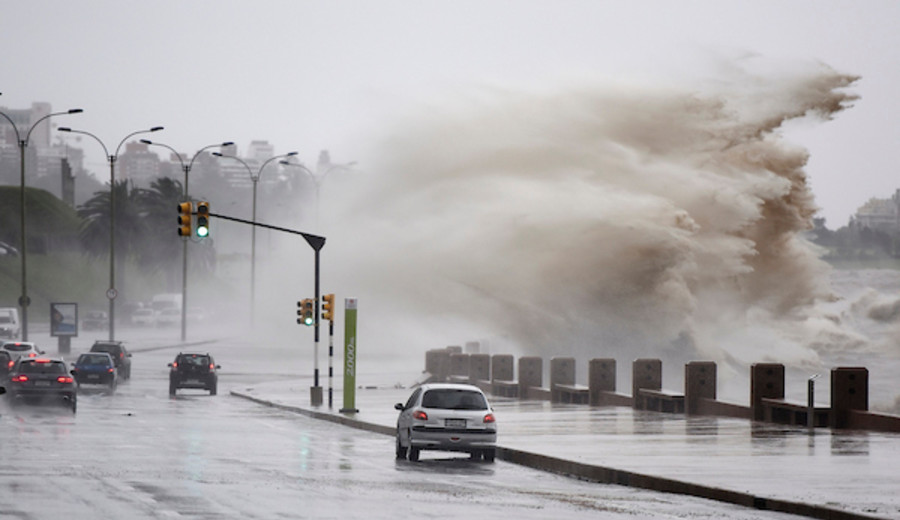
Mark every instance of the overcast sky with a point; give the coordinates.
(309, 75)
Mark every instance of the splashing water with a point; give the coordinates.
(601, 221)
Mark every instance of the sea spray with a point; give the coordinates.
(601, 221)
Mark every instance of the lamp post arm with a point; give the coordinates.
(132, 134)
(12, 124)
(28, 135)
(105, 151)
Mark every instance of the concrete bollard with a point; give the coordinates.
(479, 368)
(766, 382)
(849, 391)
(601, 378)
(562, 372)
(699, 383)
(531, 374)
(459, 366)
(437, 363)
(502, 367)
(645, 373)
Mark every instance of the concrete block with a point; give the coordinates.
(766, 382)
(699, 383)
(849, 391)
(502, 367)
(479, 367)
(645, 373)
(531, 374)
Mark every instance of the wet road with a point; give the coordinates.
(141, 454)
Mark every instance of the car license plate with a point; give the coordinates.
(42, 383)
(93, 376)
(454, 423)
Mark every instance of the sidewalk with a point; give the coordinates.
(823, 475)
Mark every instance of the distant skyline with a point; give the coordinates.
(313, 75)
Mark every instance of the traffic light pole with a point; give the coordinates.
(316, 242)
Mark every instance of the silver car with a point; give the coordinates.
(19, 349)
(446, 417)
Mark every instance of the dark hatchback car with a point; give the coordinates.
(193, 371)
(40, 381)
(96, 368)
(119, 353)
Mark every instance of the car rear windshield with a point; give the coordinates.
(88, 359)
(42, 368)
(193, 359)
(14, 347)
(454, 399)
(112, 349)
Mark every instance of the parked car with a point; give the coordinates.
(96, 368)
(447, 417)
(6, 362)
(119, 353)
(9, 323)
(19, 349)
(193, 371)
(95, 320)
(145, 317)
(42, 380)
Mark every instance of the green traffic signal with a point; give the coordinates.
(203, 219)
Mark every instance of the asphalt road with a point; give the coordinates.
(141, 454)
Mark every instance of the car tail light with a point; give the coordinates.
(212, 367)
(41, 360)
(64, 379)
(489, 418)
(175, 365)
(19, 379)
(420, 415)
(32, 354)
(110, 370)
(10, 364)
(122, 355)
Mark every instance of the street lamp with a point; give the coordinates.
(319, 177)
(111, 293)
(255, 180)
(24, 300)
(185, 197)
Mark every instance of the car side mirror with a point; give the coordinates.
(170, 365)
(42, 352)
(218, 367)
(73, 371)
(2, 390)
(398, 406)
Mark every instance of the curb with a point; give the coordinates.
(603, 474)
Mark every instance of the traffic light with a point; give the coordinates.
(328, 307)
(305, 312)
(203, 219)
(184, 219)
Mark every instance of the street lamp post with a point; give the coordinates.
(185, 197)
(319, 177)
(24, 300)
(255, 180)
(111, 293)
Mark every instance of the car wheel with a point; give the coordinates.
(172, 387)
(474, 455)
(112, 386)
(489, 455)
(413, 454)
(401, 451)
(74, 405)
(212, 389)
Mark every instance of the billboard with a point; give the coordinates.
(63, 319)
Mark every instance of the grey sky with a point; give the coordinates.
(311, 75)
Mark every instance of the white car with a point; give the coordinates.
(168, 318)
(446, 417)
(19, 349)
(143, 317)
